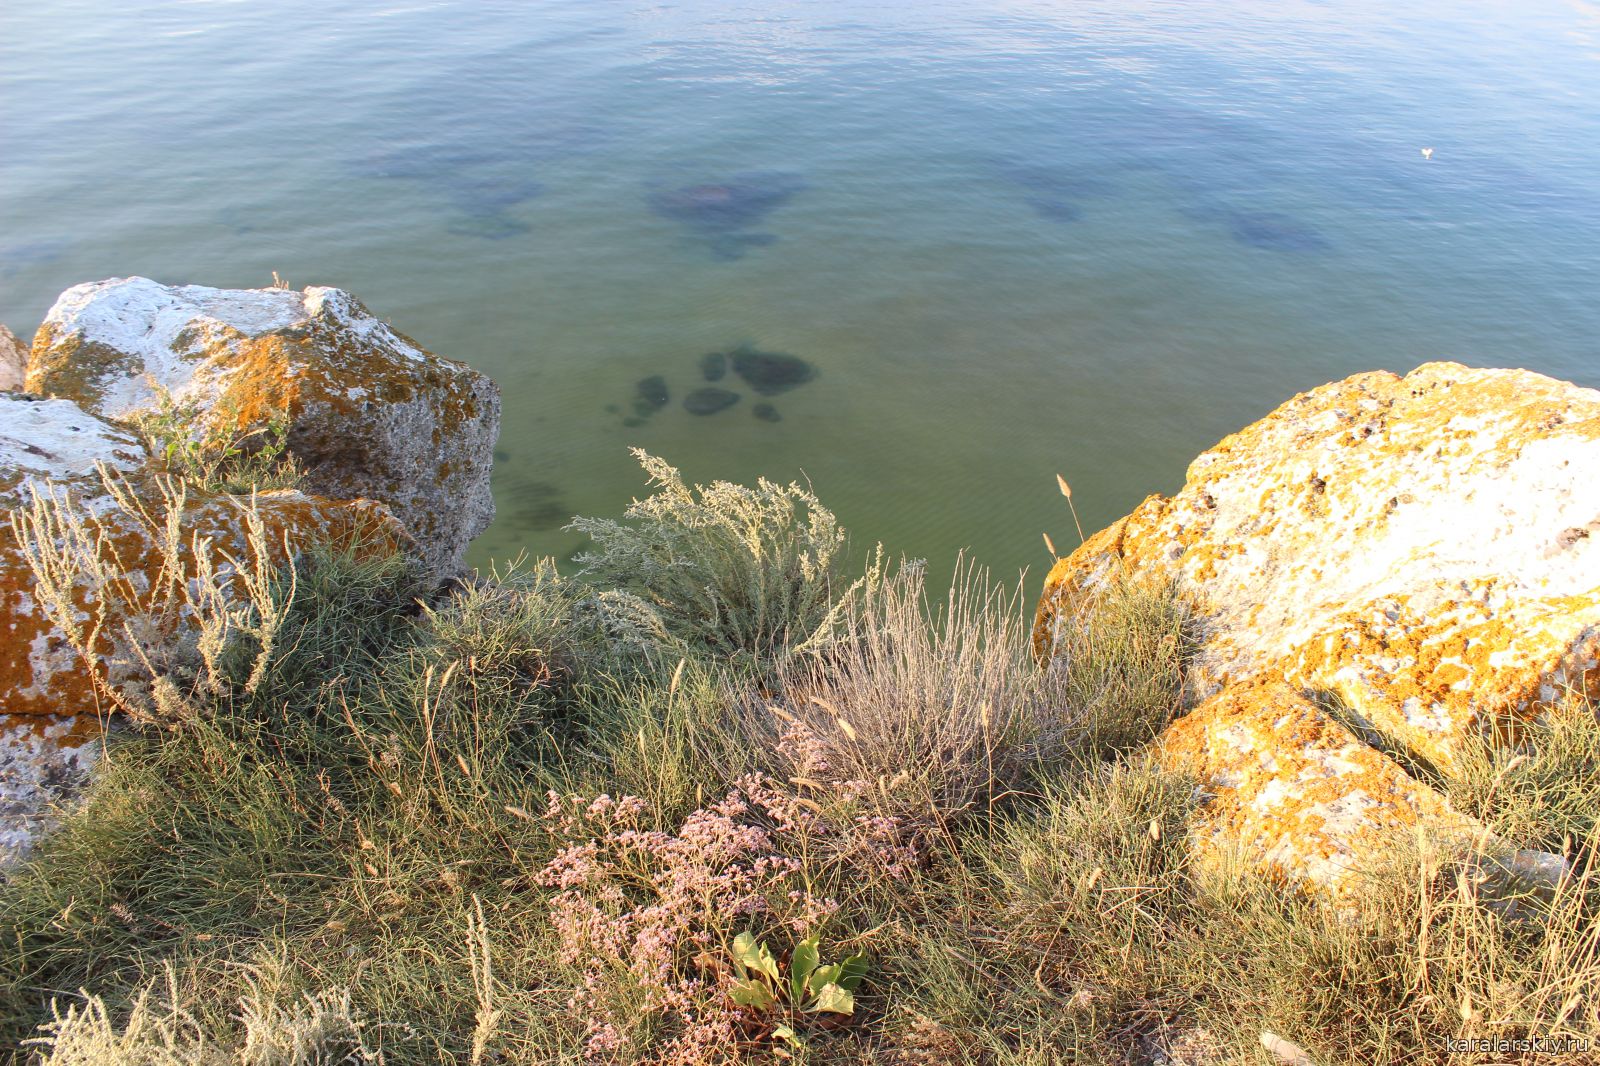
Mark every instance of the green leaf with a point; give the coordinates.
(801, 965)
(756, 956)
(789, 1036)
(827, 975)
(853, 970)
(752, 994)
(834, 1000)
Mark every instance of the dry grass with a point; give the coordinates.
(155, 616)
(928, 708)
(374, 817)
(157, 1030)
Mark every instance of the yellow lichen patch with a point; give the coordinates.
(1294, 791)
(1428, 547)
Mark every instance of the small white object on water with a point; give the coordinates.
(1427, 153)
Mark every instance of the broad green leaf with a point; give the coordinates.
(752, 994)
(801, 964)
(834, 1000)
(784, 1033)
(756, 956)
(827, 975)
(852, 970)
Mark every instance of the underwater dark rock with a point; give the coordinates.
(709, 400)
(650, 395)
(533, 504)
(633, 421)
(741, 201)
(493, 226)
(770, 373)
(1055, 210)
(766, 412)
(714, 365)
(501, 455)
(1053, 192)
(1274, 231)
(489, 196)
(722, 212)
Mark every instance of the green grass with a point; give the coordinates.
(354, 859)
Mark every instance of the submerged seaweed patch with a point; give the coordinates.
(1053, 192)
(490, 196)
(767, 413)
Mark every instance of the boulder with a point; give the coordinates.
(51, 703)
(13, 361)
(1294, 792)
(370, 413)
(1424, 548)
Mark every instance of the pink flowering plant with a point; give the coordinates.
(648, 917)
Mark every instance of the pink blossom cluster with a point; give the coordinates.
(656, 909)
(647, 915)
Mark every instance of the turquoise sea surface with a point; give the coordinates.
(1004, 240)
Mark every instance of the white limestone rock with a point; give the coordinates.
(370, 413)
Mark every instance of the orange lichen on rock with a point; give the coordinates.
(46, 675)
(369, 412)
(1295, 792)
(1427, 547)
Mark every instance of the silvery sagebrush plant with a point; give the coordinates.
(742, 571)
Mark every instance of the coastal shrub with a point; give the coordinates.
(737, 571)
(349, 606)
(1543, 791)
(1048, 931)
(185, 445)
(527, 820)
(1078, 928)
(937, 707)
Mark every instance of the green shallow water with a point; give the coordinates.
(1013, 238)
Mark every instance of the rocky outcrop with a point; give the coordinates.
(1426, 548)
(52, 703)
(13, 361)
(370, 413)
(1423, 551)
